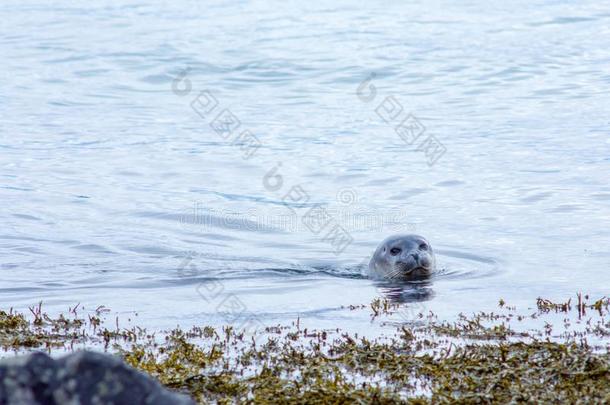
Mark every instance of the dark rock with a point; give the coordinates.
(79, 378)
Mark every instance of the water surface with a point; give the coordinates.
(115, 191)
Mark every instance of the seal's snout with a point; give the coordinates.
(411, 262)
(408, 263)
(410, 259)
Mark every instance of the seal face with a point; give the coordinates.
(402, 257)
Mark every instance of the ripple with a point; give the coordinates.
(563, 21)
(100, 156)
(461, 265)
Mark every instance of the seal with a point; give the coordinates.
(402, 257)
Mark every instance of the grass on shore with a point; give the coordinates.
(479, 358)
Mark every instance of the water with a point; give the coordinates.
(115, 191)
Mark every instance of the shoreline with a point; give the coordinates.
(480, 357)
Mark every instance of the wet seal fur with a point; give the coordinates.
(402, 257)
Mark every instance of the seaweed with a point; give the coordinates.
(483, 357)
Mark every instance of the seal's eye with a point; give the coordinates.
(395, 251)
(423, 246)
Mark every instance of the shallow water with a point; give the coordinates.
(116, 189)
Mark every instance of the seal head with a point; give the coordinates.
(402, 257)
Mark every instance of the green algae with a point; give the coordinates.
(62, 332)
(484, 357)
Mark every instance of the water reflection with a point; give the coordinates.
(406, 292)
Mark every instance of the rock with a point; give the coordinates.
(79, 378)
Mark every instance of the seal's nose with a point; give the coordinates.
(415, 256)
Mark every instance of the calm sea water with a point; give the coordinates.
(127, 180)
